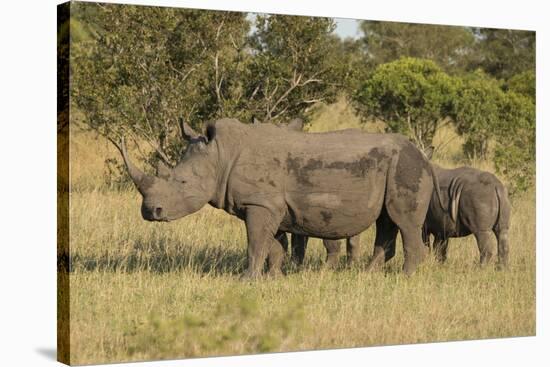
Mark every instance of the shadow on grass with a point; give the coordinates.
(157, 259)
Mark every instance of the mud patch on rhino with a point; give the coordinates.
(410, 168)
(378, 155)
(302, 171)
(327, 217)
(358, 168)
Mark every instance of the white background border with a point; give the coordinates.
(28, 181)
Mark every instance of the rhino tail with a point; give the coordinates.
(436, 186)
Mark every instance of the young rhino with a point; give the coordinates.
(475, 202)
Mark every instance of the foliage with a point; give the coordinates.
(476, 112)
(199, 65)
(447, 46)
(516, 149)
(291, 69)
(135, 70)
(166, 63)
(412, 96)
(503, 53)
(523, 83)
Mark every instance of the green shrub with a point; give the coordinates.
(413, 96)
(476, 112)
(515, 135)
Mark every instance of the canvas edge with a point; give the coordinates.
(63, 187)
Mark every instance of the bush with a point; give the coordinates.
(515, 135)
(523, 83)
(413, 96)
(476, 112)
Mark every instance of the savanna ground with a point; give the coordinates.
(144, 290)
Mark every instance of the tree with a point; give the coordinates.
(447, 46)
(412, 96)
(477, 111)
(148, 66)
(503, 53)
(523, 83)
(515, 136)
(291, 69)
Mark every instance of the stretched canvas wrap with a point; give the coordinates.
(237, 183)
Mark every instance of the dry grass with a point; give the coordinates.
(144, 290)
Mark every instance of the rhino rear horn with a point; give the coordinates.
(187, 133)
(163, 170)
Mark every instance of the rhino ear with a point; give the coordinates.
(163, 171)
(296, 125)
(187, 133)
(429, 151)
(210, 131)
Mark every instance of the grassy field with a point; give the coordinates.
(144, 290)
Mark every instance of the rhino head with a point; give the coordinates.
(176, 192)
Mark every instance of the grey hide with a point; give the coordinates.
(474, 202)
(299, 242)
(328, 185)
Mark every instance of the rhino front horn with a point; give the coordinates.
(135, 173)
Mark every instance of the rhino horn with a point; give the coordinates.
(187, 133)
(135, 173)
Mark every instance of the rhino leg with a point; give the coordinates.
(503, 224)
(484, 244)
(333, 250)
(440, 249)
(283, 239)
(410, 186)
(275, 259)
(299, 245)
(261, 227)
(426, 238)
(384, 244)
(502, 240)
(352, 249)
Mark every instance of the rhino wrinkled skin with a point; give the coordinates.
(474, 202)
(328, 185)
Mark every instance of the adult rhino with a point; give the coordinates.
(474, 202)
(327, 185)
